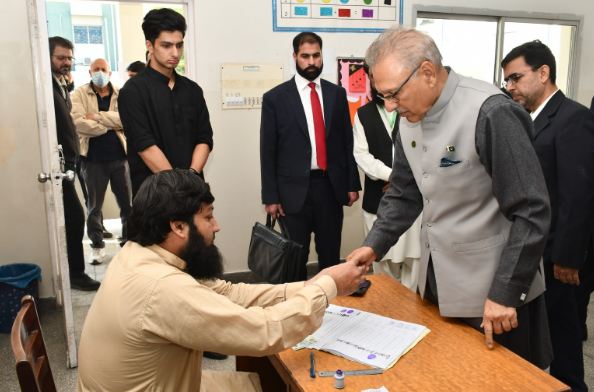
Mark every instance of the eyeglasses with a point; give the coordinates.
(393, 96)
(63, 58)
(512, 79)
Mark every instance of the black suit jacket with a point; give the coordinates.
(285, 148)
(564, 142)
(65, 128)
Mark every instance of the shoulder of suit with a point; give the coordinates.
(329, 85)
(564, 106)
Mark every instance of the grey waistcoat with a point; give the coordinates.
(463, 229)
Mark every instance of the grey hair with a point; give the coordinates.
(407, 45)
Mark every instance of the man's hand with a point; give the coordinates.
(93, 116)
(566, 274)
(363, 255)
(274, 210)
(347, 276)
(385, 187)
(497, 318)
(353, 197)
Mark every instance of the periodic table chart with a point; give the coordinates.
(336, 15)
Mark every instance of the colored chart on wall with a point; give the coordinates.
(352, 77)
(369, 16)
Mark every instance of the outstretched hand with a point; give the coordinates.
(363, 255)
(347, 276)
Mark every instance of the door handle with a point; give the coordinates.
(45, 177)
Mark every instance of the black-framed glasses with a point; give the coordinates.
(63, 58)
(512, 79)
(393, 96)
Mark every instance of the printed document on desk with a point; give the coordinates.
(364, 337)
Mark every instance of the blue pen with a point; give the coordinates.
(312, 365)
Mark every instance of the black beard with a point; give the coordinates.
(202, 261)
(310, 73)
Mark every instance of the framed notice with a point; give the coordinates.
(366, 16)
(352, 77)
(243, 85)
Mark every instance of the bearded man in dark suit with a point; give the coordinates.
(306, 154)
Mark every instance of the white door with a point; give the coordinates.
(51, 170)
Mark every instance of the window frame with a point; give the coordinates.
(501, 17)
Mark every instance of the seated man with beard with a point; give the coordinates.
(160, 304)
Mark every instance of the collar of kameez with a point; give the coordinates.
(168, 257)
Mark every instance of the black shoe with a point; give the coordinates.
(215, 356)
(83, 282)
(107, 234)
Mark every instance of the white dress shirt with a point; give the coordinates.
(535, 113)
(304, 94)
(374, 168)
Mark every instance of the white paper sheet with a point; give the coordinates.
(364, 337)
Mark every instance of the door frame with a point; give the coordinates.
(50, 163)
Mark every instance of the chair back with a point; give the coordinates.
(28, 347)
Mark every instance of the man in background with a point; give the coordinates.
(164, 114)
(306, 155)
(161, 304)
(102, 150)
(135, 68)
(61, 58)
(564, 142)
(374, 131)
(463, 156)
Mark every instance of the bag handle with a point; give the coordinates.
(270, 222)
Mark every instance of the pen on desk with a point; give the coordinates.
(312, 365)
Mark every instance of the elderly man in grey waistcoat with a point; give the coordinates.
(463, 156)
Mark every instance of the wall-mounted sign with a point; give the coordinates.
(243, 85)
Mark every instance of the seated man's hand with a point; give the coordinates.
(497, 318)
(347, 276)
(274, 210)
(363, 255)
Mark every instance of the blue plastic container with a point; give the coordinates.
(16, 281)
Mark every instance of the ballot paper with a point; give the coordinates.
(364, 337)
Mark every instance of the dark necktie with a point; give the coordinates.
(319, 127)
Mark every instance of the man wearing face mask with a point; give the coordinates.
(306, 154)
(102, 150)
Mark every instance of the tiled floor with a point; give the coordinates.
(52, 322)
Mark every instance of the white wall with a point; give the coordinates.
(242, 32)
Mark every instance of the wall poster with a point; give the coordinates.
(352, 77)
(367, 16)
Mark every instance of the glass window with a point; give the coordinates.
(470, 44)
(557, 37)
(95, 35)
(468, 54)
(80, 35)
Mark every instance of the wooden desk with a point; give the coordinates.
(452, 357)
